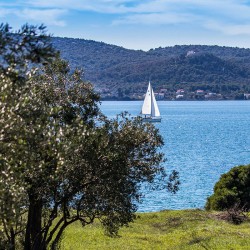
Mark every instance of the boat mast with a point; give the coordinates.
(152, 103)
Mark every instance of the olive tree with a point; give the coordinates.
(18, 52)
(62, 160)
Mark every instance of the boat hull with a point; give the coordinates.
(151, 119)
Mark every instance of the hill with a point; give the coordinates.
(122, 72)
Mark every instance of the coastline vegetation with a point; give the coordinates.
(232, 189)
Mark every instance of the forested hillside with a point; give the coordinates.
(122, 72)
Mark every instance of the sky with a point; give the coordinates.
(137, 24)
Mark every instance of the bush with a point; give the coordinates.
(232, 189)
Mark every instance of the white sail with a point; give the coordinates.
(155, 110)
(146, 107)
(150, 106)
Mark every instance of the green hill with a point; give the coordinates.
(218, 69)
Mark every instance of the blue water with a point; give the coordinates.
(202, 141)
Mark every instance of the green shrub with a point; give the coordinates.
(233, 188)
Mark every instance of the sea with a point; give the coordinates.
(202, 140)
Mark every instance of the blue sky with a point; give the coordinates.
(137, 24)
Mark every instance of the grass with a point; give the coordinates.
(173, 230)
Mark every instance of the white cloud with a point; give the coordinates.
(137, 6)
(131, 6)
(155, 18)
(101, 6)
(234, 14)
(4, 12)
(229, 29)
(50, 16)
(230, 17)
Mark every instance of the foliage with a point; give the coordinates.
(29, 46)
(172, 229)
(232, 189)
(61, 160)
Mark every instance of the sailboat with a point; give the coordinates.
(150, 110)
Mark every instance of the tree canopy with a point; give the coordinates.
(233, 189)
(61, 159)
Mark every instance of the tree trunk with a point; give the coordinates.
(12, 237)
(33, 236)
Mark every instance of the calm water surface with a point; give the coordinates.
(202, 141)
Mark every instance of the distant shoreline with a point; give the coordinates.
(139, 100)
